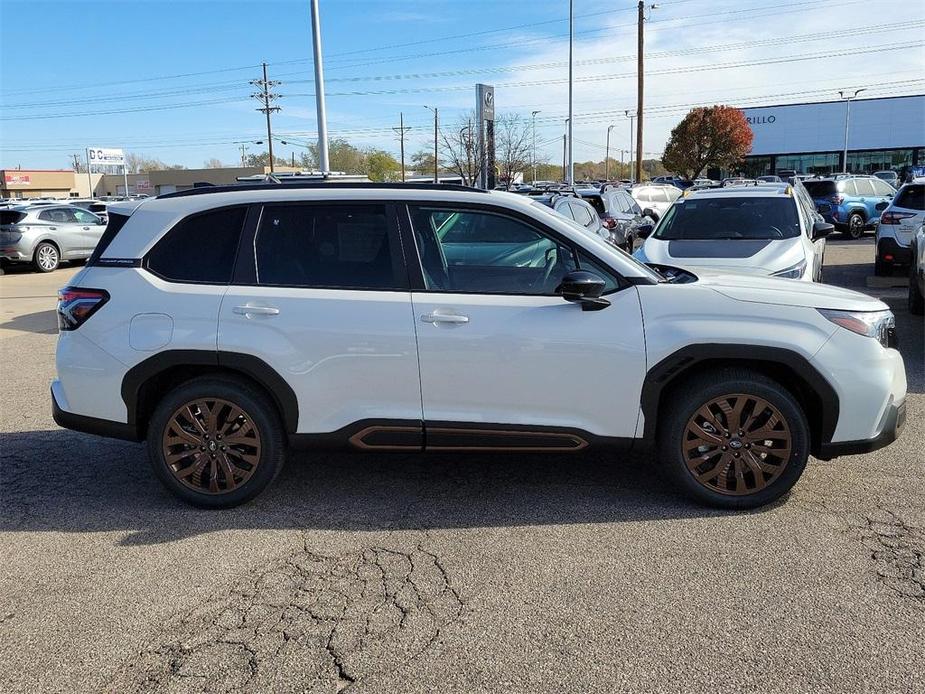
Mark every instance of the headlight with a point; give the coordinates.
(794, 272)
(877, 324)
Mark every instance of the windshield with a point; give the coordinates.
(750, 217)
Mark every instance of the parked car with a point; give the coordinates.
(46, 235)
(676, 181)
(728, 182)
(222, 325)
(657, 198)
(620, 214)
(765, 230)
(573, 208)
(890, 177)
(917, 273)
(853, 201)
(899, 221)
(769, 179)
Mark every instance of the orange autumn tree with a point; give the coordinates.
(708, 136)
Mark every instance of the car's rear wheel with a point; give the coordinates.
(216, 442)
(734, 439)
(916, 301)
(855, 225)
(46, 257)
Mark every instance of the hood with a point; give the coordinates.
(773, 290)
(752, 256)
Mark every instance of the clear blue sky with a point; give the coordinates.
(81, 73)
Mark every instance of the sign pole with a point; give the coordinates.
(125, 177)
(89, 177)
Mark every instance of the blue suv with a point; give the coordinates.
(850, 202)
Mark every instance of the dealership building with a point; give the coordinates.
(883, 134)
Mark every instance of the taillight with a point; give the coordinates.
(837, 199)
(894, 217)
(76, 305)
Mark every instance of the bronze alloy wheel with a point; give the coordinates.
(736, 444)
(211, 446)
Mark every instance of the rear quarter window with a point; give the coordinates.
(911, 198)
(8, 217)
(820, 189)
(200, 249)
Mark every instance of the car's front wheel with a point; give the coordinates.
(216, 442)
(734, 439)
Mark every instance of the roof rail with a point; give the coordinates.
(317, 183)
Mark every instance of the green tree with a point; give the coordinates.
(382, 166)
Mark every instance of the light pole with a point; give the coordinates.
(607, 154)
(571, 36)
(436, 128)
(533, 128)
(847, 100)
(565, 152)
(632, 173)
(320, 109)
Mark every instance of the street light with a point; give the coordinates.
(533, 128)
(607, 154)
(631, 117)
(847, 100)
(436, 128)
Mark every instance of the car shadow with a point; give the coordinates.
(41, 322)
(60, 480)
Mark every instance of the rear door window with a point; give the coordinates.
(200, 249)
(327, 246)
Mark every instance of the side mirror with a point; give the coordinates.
(580, 286)
(649, 212)
(644, 230)
(822, 229)
(881, 206)
(100, 222)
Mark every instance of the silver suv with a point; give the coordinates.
(44, 235)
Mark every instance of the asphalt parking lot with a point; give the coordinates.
(423, 574)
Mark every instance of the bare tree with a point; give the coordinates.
(459, 148)
(213, 164)
(512, 146)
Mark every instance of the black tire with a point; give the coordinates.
(46, 257)
(882, 268)
(855, 227)
(267, 434)
(699, 391)
(916, 301)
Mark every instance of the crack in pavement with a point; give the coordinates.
(897, 549)
(306, 623)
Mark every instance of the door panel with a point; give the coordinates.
(532, 360)
(348, 351)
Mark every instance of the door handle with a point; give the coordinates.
(248, 311)
(444, 318)
(52, 228)
(86, 228)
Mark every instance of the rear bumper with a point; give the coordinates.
(895, 419)
(902, 255)
(91, 425)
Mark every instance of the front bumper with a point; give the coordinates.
(895, 419)
(901, 255)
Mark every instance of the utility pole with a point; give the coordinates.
(76, 158)
(243, 156)
(266, 96)
(323, 161)
(533, 156)
(847, 100)
(436, 134)
(640, 73)
(607, 154)
(401, 129)
(571, 40)
(564, 156)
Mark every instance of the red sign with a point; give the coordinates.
(18, 179)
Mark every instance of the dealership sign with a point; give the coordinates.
(760, 120)
(17, 179)
(105, 157)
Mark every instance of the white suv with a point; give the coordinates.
(224, 324)
(768, 229)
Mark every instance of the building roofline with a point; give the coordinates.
(834, 101)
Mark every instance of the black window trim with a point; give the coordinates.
(245, 274)
(145, 260)
(416, 271)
